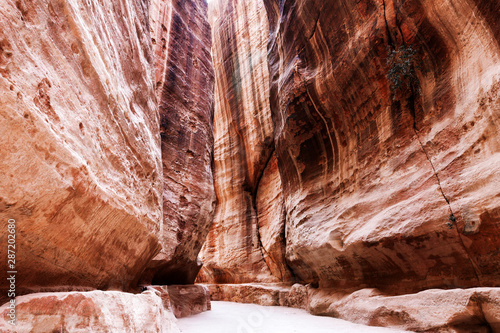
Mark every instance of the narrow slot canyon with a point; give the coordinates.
(250, 166)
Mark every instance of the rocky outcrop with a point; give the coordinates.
(188, 300)
(269, 294)
(457, 310)
(184, 88)
(184, 300)
(80, 144)
(385, 125)
(237, 248)
(95, 311)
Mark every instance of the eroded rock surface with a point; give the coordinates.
(385, 121)
(184, 88)
(95, 311)
(389, 179)
(434, 310)
(269, 294)
(456, 310)
(188, 300)
(81, 159)
(246, 240)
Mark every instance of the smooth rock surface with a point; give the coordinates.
(184, 88)
(95, 311)
(80, 148)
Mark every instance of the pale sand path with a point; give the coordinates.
(228, 317)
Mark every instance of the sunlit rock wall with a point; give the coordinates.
(80, 143)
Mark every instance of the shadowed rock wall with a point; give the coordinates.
(184, 88)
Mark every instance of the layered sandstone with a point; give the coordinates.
(184, 89)
(383, 170)
(95, 311)
(80, 149)
(246, 241)
(386, 132)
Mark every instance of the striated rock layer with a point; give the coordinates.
(386, 120)
(184, 88)
(246, 241)
(81, 166)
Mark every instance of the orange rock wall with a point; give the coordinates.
(106, 115)
(385, 117)
(80, 143)
(235, 250)
(387, 187)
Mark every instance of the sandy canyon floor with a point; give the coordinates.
(228, 317)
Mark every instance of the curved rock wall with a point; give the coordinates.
(184, 88)
(104, 178)
(243, 132)
(386, 122)
(80, 149)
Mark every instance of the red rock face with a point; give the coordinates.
(386, 120)
(246, 240)
(80, 144)
(184, 83)
(188, 300)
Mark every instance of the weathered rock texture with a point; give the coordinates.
(188, 300)
(385, 121)
(80, 148)
(435, 310)
(184, 300)
(269, 294)
(386, 186)
(246, 242)
(457, 310)
(184, 88)
(95, 311)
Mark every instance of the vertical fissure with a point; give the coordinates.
(452, 217)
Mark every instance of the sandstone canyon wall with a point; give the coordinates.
(246, 241)
(80, 149)
(184, 89)
(106, 124)
(385, 119)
